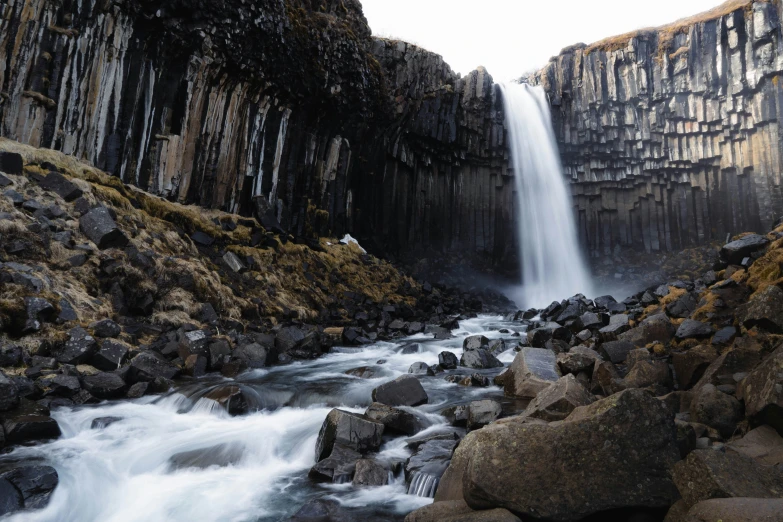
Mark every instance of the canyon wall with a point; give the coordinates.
(672, 137)
(284, 108)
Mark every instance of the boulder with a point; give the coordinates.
(64, 385)
(35, 483)
(762, 391)
(62, 186)
(479, 359)
(395, 419)
(591, 321)
(725, 336)
(99, 226)
(24, 428)
(9, 393)
(11, 163)
(458, 511)
(38, 311)
(654, 329)
(617, 351)
(682, 307)
(617, 325)
(10, 498)
(733, 253)
(533, 370)
(253, 355)
(230, 397)
(578, 359)
(420, 368)
(557, 401)
(716, 409)
(456, 415)
(148, 366)
(689, 366)
(111, 355)
(353, 431)
(324, 510)
(614, 453)
(474, 342)
(105, 385)
(737, 510)
(448, 361)
(763, 444)
(106, 328)
(370, 473)
(481, 413)
(691, 329)
(706, 474)
(78, 349)
(426, 466)
(650, 373)
(405, 390)
(338, 467)
(363, 372)
(764, 309)
(605, 379)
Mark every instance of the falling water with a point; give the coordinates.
(550, 258)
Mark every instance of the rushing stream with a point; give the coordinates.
(183, 458)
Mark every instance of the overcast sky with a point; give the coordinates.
(511, 37)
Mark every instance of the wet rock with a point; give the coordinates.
(533, 370)
(137, 390)
(479, 359)
(99, 226)
(231, 398)
(148, 366)
(195, 366)
(111, 356)
(689, 366)
(654, 329)
(105, 385)
(35, 483)
(764, 310)
(24, 428)
(763, 444)
(353, 431)
(481, 413)
(733, 253)
(79, 349)
(458, 511)
(420, 368)
(690, 329)
(486, 465)
(716, 409)
(475, 342)
(9, 393)
(10, 498)
(61, 186)
(395, 419)
(426, 466)
(448, 361)
(707, 474)
(370, 473)
(364, 372)
(405, 390)
(762, 391)
(338, 467)
(737, 510)
(103, 422)
(558, 400)
(234, 263)
(106, 328)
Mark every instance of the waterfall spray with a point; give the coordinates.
(550, 258)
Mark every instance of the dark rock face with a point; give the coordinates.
(395, 419)
(353, 431)
(507, 463)
(448, 361)
(405, 390)
(99, 226)
(734, 252)
(370, 473)
(35, 483)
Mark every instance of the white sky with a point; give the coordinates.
(511, 37)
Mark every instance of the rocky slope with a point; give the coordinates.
(671, 136)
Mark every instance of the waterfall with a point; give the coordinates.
(550, 258)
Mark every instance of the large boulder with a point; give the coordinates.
(706, 474)
(557, 401)
(734, 252)
(614, 453)
(458, 511)
(762, 390)
(617, 351)
(764, 309)
(395, 419)
(533, 370)
(716, 409)
(29, 427)
(737, 510)
(405, 390)
(350, 430)
(62, 186)
(479, 359)
(99, 226)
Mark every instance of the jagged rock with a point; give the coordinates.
(716, 409)
(64, 385)
(486, 465)
(10, 355)
(420, 368)
(479, 359)
(148, 366)
(370, 473)
(395, 419)
(353, 431)
(111, 356)
(405, 390)
(616, 351)
(690, 329)
(689, 366)
(737, 510)
(448, 361)
(617, 325)
(481, 413)
(106, 328)
(79, 349)
(458, 511)
(656, 328)
(99, 226)
(62, 186)
(734, 252)
(578, 359)
(765, 309)
(763, 444)
(558, 400)
(426, 466)
(338, 467)
(591, 320)
(707, 474)
(533, 370)
(762, 390)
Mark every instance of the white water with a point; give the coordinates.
(550, 257)
(185, 459)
